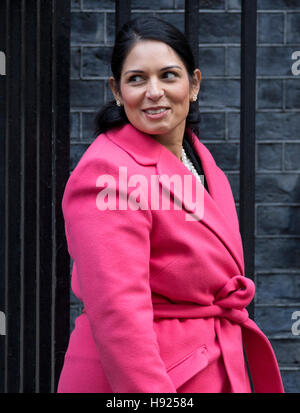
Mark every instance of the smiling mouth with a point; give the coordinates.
(155, 111)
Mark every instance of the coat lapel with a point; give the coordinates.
(147, 151)
(214, 201)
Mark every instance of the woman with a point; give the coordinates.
(161, 277)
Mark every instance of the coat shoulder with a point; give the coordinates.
(103, 157)
(106, 156)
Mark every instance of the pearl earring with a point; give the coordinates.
(118, 102)
(194, 98)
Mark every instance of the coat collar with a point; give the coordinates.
(147, 151)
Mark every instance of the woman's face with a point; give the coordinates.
(155, 89)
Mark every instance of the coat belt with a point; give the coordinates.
(229, 310)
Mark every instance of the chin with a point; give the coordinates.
(149, 130)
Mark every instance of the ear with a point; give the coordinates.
(195, 83)
(114, 88)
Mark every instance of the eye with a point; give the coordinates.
(131, 79)
(170, 73)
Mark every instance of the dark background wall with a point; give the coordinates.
(277, 232)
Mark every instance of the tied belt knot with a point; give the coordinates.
(229, 310)
(229, 303)
(234, 297)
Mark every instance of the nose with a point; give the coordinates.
(154, 90)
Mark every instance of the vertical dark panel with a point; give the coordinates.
(247, 146)
(123, 12)
(45, 192)
(2, 184)
(35, 155)
(192, 26)
(13, 207)
(61, 108)
(29, 168)
(191, 32)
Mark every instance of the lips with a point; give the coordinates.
(157, 113)
(155, 110)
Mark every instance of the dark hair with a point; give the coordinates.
(144, 28)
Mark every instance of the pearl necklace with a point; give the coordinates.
(188, 163)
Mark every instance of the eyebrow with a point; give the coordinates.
(164, 68)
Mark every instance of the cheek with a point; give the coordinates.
(181, 96)
(182, 104)
(131, 97)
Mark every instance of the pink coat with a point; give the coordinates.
(164, 296)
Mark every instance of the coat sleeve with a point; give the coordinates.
(111, 251)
